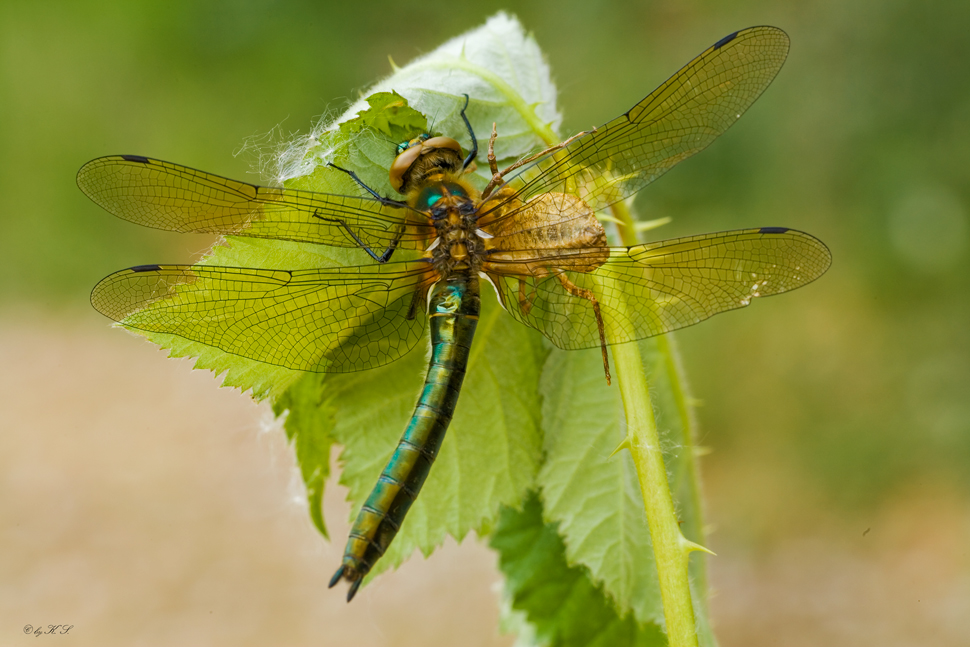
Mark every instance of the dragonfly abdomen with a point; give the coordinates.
(454, 308)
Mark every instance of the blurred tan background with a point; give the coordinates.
(146, 506)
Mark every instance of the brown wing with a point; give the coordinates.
(678, 119)
(168, 196)
(654, 288)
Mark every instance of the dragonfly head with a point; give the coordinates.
(420, 157)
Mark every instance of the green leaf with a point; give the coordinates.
(594, 497)
(497, 65)
(267, 381)
(364, 140)
(562, 604)
(495, 431)
(494, 443)
(495, 446)
(390, 115)
(308, 426)
(310, 410)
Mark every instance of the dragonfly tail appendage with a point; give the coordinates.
(454, 310)
(355, 582)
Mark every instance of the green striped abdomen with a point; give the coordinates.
(453, 313)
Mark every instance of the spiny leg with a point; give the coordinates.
(415, 302)
(386, 256)
(498, 175)
(387, 202)
(474, 151)
(583, 293)
(492, 162)
(383, 258)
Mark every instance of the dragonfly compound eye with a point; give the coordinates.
(402, 164)
(420, 139)
(443, 142)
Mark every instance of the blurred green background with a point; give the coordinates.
(828, 410)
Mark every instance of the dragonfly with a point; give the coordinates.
(532, 232)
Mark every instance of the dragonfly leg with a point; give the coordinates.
(498, 175)
(474, 151)
(492, 162)
(525, 300)
(387, 202)
(583, 293)
(383, 258)
(415, 302)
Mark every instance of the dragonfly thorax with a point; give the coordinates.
(455, 217)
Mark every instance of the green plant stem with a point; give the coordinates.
(671, 549)
(677, 378)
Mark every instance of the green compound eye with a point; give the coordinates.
(432, 197)
(456, 189)
(420, 139)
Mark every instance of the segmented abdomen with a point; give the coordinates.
(453, 312)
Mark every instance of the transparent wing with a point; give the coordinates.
(680, 118)
(327, 320)
(168, 196)
(654, 288)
